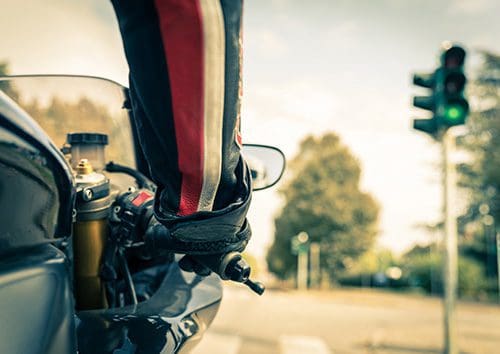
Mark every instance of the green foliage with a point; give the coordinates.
(323, 198)
(480, 177)
(5, 86)
(370, 270)
(425, 270)
(4, 69)
(371, 262)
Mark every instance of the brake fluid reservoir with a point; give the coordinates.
(88, 146)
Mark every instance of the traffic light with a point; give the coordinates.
(428, 103)
(453, 107)
(446, 102)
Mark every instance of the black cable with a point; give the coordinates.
(142, 181)
(128, 278)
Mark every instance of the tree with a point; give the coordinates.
(6, 86)
(424, 269)
(323, 198)
(481, 175)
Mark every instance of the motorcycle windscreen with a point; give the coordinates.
(59, 105)
(76, 104)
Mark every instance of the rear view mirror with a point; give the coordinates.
(266, 163)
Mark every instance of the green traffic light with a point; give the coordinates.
(446, 100)
(455, 114)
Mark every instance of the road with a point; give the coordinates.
(344, 321)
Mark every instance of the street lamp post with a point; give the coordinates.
(315, 264)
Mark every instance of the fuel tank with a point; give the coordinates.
(36, 304)
(173, 320)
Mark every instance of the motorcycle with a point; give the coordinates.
(75, 197)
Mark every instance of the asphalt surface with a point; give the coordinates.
(344, 321)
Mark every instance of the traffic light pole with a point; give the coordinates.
(451, 247)
(449, 107)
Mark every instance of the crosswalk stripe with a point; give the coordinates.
(303, 345)
(218, 343)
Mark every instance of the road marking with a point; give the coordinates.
(302, 345)
(218, 343)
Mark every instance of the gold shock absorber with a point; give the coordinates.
(89, 236)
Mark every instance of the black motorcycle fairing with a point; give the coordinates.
(36, 302)
(178, 313)
(28, 197)
(23, 134)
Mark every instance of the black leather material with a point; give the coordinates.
(158, 236)
(215, 232)
(152, 106)
(225, 227)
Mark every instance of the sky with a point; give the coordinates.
(309, 67)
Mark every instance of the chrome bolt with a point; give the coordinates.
(87, 194)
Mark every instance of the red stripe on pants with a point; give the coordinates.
(182, 34)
